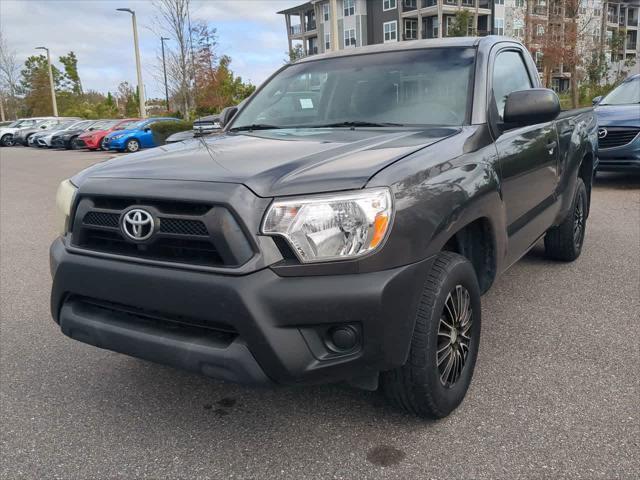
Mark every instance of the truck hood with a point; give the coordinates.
(276, 162)
(618, 115)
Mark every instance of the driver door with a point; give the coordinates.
(528, 159)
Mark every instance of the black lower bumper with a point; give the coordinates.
(618, 165)
(256, 328)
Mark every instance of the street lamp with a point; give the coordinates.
(53, 91)
(143, 112)
(164, 69)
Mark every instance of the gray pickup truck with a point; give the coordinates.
(343, 227)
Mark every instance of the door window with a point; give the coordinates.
(509, 75)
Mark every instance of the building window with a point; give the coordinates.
(390, 31)
(327, 42)
(349, 7)
(325, 12)
(448, 23)
(519, 3)
(389, 5)
(451, 2)
(499, 2)
(539, 60)
(539, 30)
(499, 26)
(410, 29)
(350, 38)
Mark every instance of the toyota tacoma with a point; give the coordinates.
(342, 228)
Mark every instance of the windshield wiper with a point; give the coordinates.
(255, 126)
(356, 123)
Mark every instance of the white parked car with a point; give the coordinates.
(6, 133)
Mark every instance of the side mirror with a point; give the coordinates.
(44, 127)
(528, 107)
(147, 129)
(227, 115)
(596, 100)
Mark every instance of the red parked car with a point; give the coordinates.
(92, 139)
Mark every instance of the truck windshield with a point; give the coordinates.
(626, 94)
(411, 87)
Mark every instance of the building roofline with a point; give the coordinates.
(296, 9)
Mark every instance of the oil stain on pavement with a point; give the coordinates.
(385, 456)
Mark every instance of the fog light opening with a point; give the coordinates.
(341, 339)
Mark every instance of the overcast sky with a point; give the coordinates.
(249, 31)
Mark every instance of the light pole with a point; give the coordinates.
(143, 111)
(53, 90)
(164, 69)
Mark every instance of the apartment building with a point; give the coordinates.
(609, 26)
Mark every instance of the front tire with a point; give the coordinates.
(565, 241)
(132, 146)
(73, 144)
(444, 347)
(7, 140)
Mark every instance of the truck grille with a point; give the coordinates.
(195, 234)
(618, 136)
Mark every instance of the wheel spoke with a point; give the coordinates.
(448, 304)
(445, 356)
(445, 375)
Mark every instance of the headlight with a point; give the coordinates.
(64, 201)
(116, 137)
(332, 227)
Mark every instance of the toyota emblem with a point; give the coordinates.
(137, 224)
(602, 132)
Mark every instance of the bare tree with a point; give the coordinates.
(172, 18)
(9, 77)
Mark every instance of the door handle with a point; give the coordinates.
(551, 146)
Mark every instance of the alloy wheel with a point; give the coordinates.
(578, 222)
(454, 336)
(132, 146)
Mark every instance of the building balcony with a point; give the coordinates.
(295, 30)
(310, 26)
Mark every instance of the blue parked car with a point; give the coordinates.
(137, 136)
(619, 127)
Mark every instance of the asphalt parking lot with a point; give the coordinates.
(555, 393)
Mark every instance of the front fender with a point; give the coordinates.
(436, 198)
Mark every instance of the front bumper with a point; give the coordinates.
(619, 159)
(257, 328)
(60, 142)
(90, 142)
(119, 144)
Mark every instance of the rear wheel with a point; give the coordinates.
(133, 145)
(74, 144)
(444, 347)
(564, 242)
(7, 140)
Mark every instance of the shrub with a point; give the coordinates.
(163, 130)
